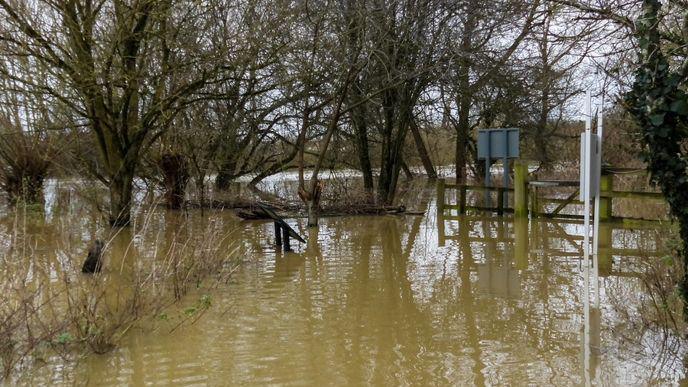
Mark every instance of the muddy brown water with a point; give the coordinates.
(389, 301)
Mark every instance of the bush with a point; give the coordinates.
(48, 309)
(25, 161)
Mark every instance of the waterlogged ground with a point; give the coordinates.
(400, 300)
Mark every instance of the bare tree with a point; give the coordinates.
(26, 144)
(486, 41)
(125, 67)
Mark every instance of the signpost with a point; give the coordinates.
(590, 172)
(496, 144)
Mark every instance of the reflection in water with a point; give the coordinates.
(591, 309)
(389, 300)
(590, 342)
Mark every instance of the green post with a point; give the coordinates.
(500, 201)
(521, 243)
(520, 189)
(606, 188)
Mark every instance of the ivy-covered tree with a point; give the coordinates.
(659, 104)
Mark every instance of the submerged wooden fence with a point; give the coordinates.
(528, 200)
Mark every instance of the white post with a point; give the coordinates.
(588, 177)
(596, 225)
(585, 158)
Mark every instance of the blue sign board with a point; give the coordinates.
(498, 143)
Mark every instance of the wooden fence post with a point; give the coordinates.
(606, 188)
(278, 235)
(462, 199)
(520, 189)
(534, 205)
(440, 195)
(440, 211)
(286, 245)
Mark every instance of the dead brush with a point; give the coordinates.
(103, 308)
(147, 270)
(661, 281)
(343, 195)
(656, 302)
(28, 319)
(24, 328)
(649, 311)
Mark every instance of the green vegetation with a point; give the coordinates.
(659, 103)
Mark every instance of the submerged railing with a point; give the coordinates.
(528, 200)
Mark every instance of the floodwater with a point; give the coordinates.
(401, 300)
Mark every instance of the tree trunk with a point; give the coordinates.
(312, 196)
(175, 171)
(423, 152)
(389, 101)
(397, 157)
(120, 198)
(200, 188)
(225, 176)
(407, 170)
(463, 128)
(313, 213)
(392, 144)
(312, 200)
(359, 118)
(464, 100)
(362, 148)
(541, 128)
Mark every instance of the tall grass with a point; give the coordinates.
(49, 310)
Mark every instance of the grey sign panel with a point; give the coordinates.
(589, 162)
(498, 143)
